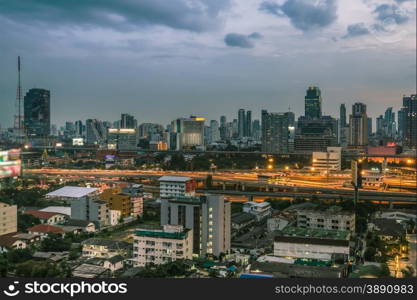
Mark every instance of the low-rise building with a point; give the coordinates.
(102, 248)
(45, 217)
(331, 160)
(242, 220)
(332, 218)
(63, 210)
(87, 226)
(90, 271)
(260, 210)
(318, 244)
(387, 229)
(280, 219)
(44, 230)
(162, 244)
(11, 241)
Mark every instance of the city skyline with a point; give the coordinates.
(209, 60)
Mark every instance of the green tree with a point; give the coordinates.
(55, 242)
(25, 221)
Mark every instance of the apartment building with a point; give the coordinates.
(162, 244)
(333, 218)
(207, 216)
(176, 186)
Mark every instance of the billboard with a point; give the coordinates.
(10, 163)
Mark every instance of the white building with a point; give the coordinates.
(259, 209)
(115, 217)
(209, 218)
(328, 161)
(176, 186)
(297, 243)
(333, 218)
(161, 245)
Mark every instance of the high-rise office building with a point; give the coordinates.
(315, 135)
(256, 130)
(389, 123)
(214, 132)
(128, 121)
(402, 115)
(207, 216)
(96, 132)
(410, 131)
(223, 128)
(248, 125)
(37, 112)
(275, 132)
(380, 126)
(312, 103)
(187, 133)
(358, 125)
(241, 117)
(369, 127)
(342, 116)
(79, 132)
(122, 139)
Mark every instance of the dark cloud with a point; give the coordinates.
(402, 1)
(304, 14)
(271, 8)
(355, 30)
(122, 15)
(390, 13)
(255, 35)
(238, 40)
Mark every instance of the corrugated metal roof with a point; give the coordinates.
(72, 192)
(174, 178)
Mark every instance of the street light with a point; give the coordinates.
(270, 167)
(287, 168)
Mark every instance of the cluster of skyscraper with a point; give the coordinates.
(276, 132)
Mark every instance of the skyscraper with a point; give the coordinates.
(358, 125)
(248, 124)
(79, 128)
(223, 128)
(342, 117)
(187, 133)
(37, 112)
(402, 115)
(410, 132)
(96, 132)
(313, 103)
(128, 121)
(241, 117)
(275, 132)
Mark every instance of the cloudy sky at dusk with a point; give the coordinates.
(163, 59)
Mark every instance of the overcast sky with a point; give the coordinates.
(163, 59)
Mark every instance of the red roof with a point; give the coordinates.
(44, 228)
(43, 215)
(7, 240)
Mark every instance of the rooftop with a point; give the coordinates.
(43, 215)
(155, 233)
(72, 192)
(44, 228)
(88, 271)
(111, 244)
(242, 217)
(65, 210)
(175, 178)
(316, 233)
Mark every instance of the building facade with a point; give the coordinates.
(176, 186)
(8, 218)
(207, 216)
(37, 112)
(161, 245)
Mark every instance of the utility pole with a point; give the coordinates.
(356, 167)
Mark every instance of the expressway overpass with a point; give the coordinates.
(233, 184)
(144, 151)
